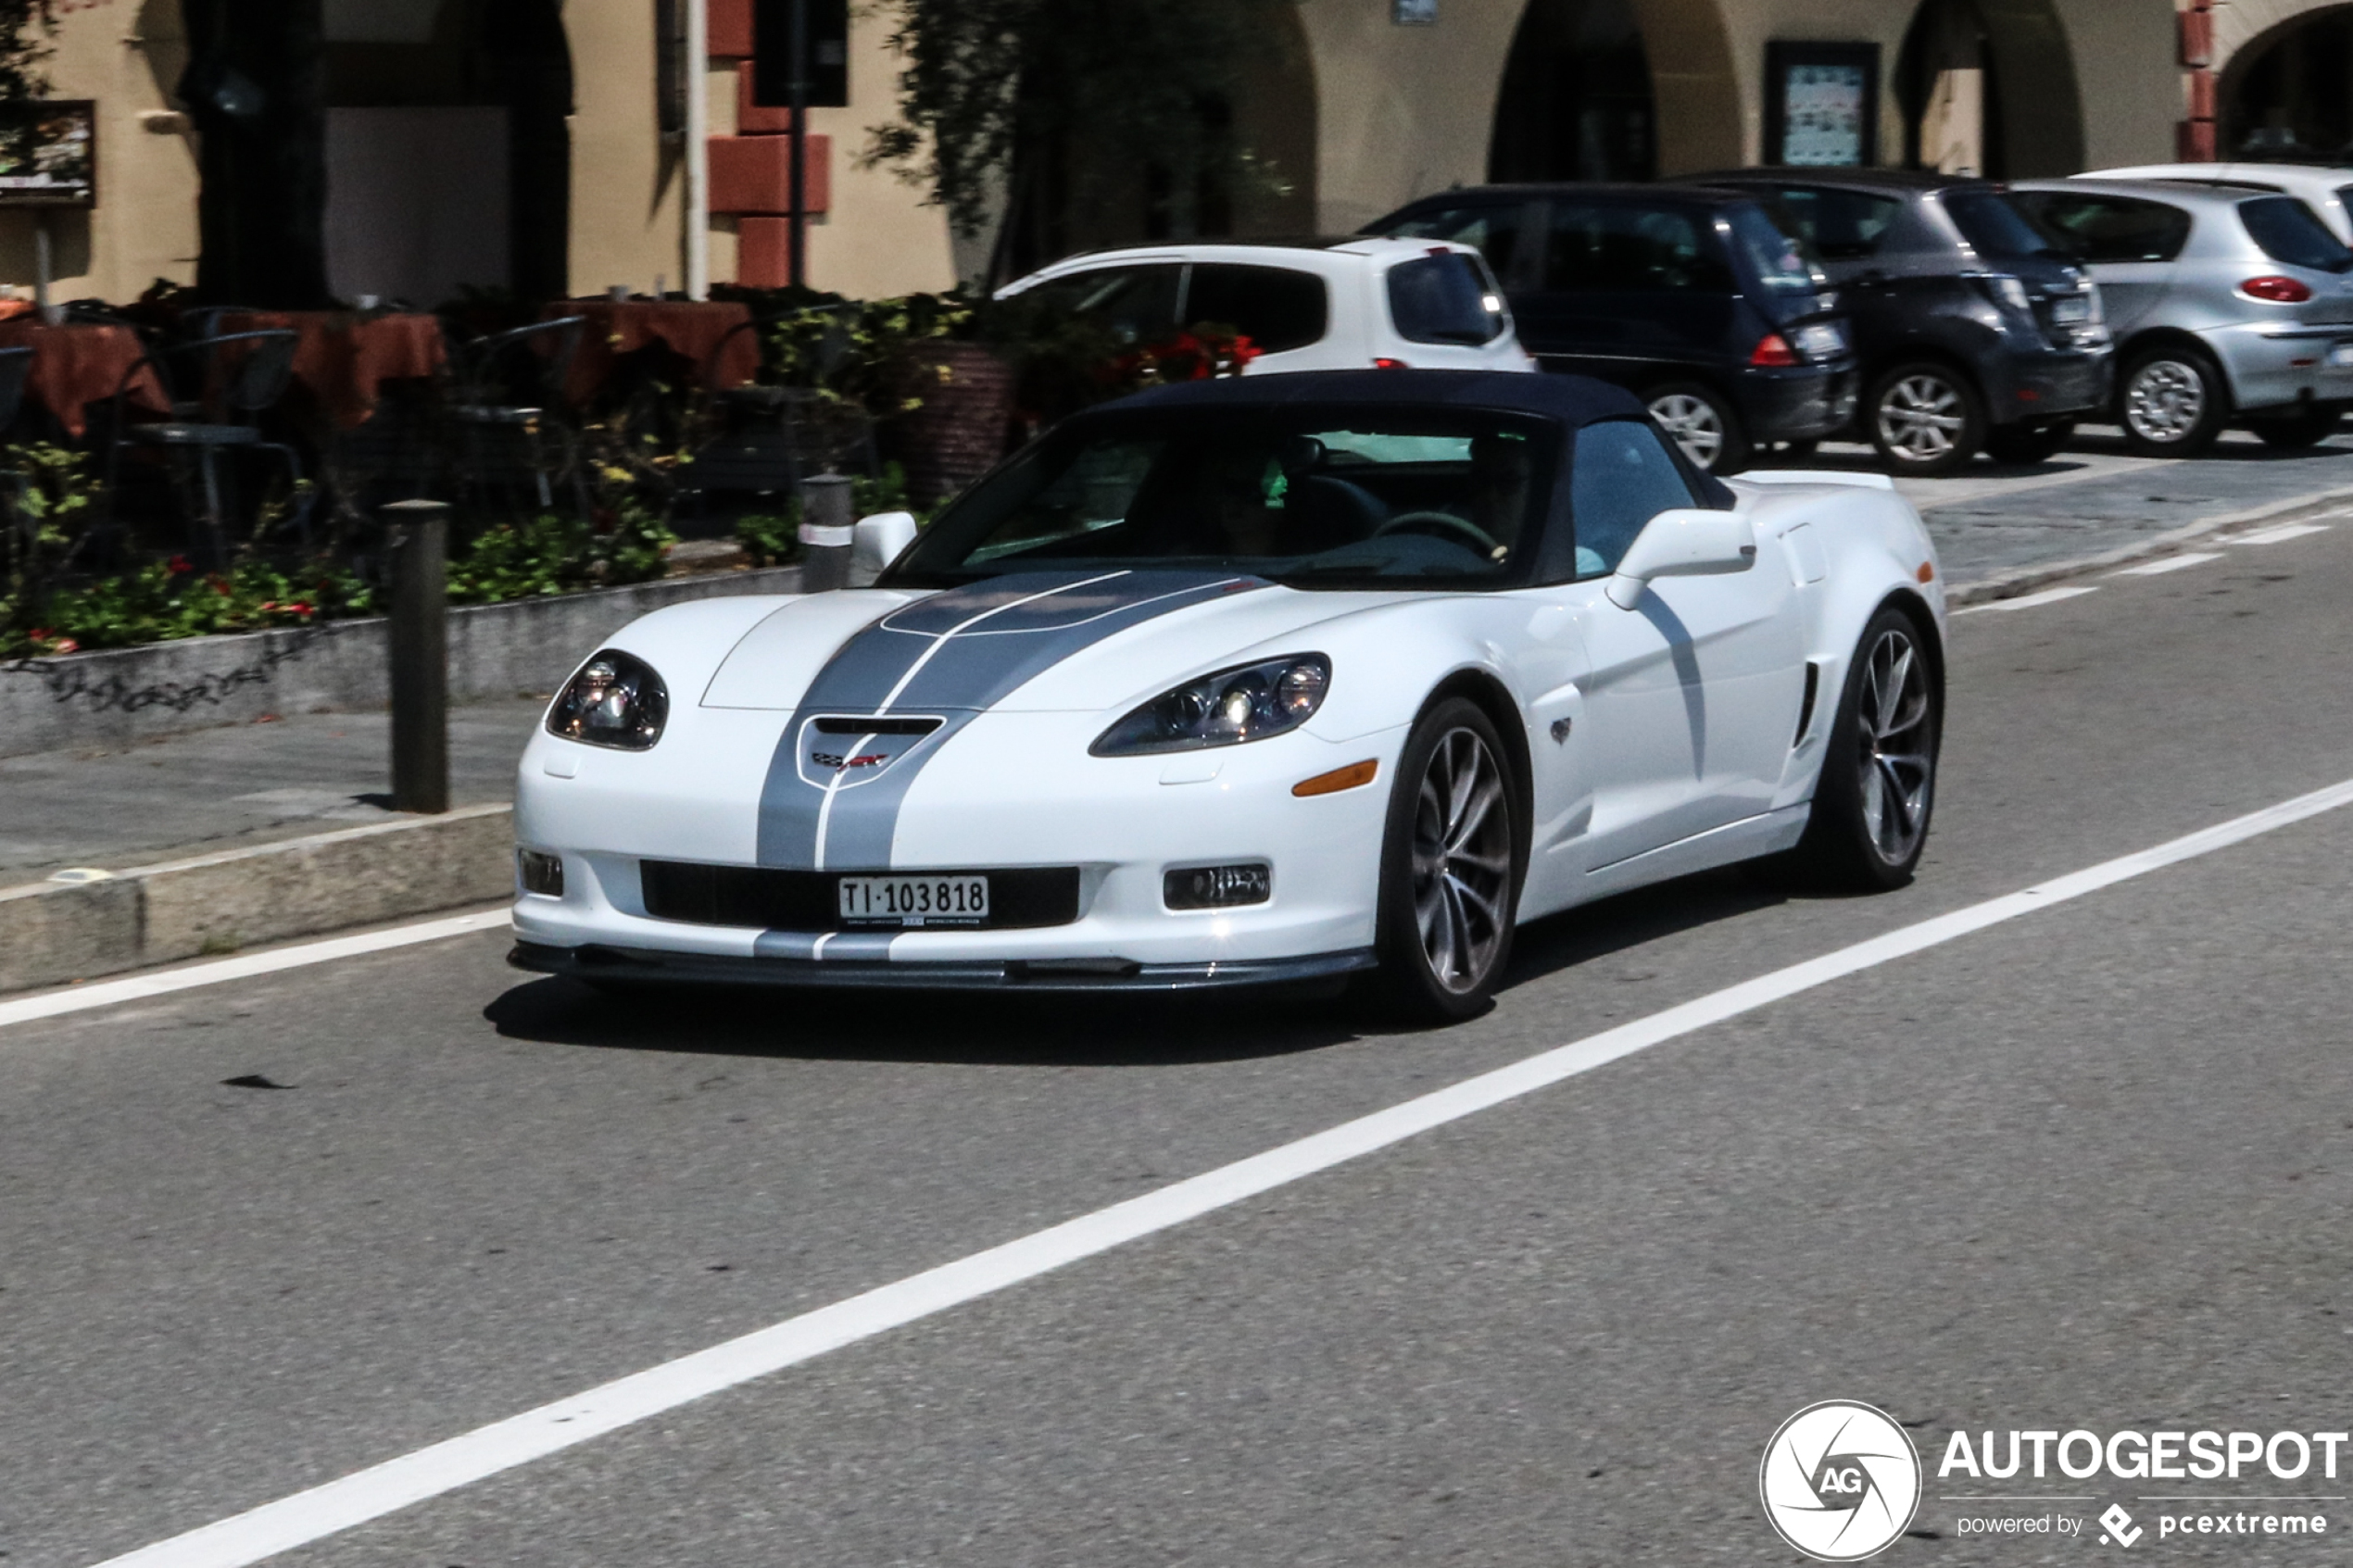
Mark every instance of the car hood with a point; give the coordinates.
(1030, 642)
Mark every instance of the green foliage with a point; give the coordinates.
(1128, 80)
(23, 82)
(168, 599)
(553, 554)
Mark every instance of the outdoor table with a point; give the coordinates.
(693, 330)
(344, 359)
(77, 365)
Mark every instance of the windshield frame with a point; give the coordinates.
(1548, 439)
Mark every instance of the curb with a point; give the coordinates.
(54, 933)
(2026, 579)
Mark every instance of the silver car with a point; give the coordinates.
(2325, 188)
(2226, 305)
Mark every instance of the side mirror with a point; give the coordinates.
(876, 541)
(1684, 542)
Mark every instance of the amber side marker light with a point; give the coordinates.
(1350, 777)
(1928, 571)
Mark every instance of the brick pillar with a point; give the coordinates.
(2194, 140)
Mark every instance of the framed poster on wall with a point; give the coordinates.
(1821, 104)
(60, 166)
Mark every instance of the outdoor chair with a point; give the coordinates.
(238, 377)
(507, 402)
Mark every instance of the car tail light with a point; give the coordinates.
(2279, 291)
(1387, 364)
(1773, 349)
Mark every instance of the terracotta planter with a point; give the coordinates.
(959, 433)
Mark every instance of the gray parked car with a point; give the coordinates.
(2226, 304)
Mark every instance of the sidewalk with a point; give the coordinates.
(260, 831)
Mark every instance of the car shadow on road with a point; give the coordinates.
(973, 1030)
(1546, 946)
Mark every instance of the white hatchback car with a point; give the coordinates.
(2328, 192)
(1347, 304)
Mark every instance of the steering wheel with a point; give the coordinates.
(1477, 535)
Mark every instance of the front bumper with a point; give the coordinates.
(653, 966)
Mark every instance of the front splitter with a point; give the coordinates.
(645, 965)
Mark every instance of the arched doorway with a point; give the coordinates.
(1987, 87)
(1576, 101)
(447, 152)
(2288, 95)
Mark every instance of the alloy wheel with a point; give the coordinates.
(1694, 425)
(1897, 757)
(2164, 401)
(1920, 417)
(1462, 862)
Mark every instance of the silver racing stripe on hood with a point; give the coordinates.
(832, 796)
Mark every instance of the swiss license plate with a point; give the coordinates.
(2341, 354)
(914, 901)
(2070, 312)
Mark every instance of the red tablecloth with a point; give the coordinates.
(694, 331)
(344, 359)
(76, 366)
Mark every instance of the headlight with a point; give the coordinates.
(616, 700)
(1251, 702)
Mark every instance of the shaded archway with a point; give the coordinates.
(1616, 90)
(2287, 95)
(1988, 87)
(448, 147)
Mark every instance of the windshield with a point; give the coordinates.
(1993, 225)
(1318, 498)
(2290, 234)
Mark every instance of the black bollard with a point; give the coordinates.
(419, 555)
(826, 532)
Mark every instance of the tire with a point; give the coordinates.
(1877, 785)
(2293, 432)
(1924, 417)
(2028, 443)
(1707, 427)
(2171, 401)
(1445, 925)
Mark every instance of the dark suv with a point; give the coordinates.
(1694, 300)
(1974, 331)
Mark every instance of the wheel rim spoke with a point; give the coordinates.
(1462, 862)
(1897, 766)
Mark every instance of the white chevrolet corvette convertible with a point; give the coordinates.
(1288, 679)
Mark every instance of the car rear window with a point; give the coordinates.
(2112, 228)
(1633, 249)
(1840, 225)
(1444, 298)
(2291, 234)
(1135, 302)
(1276, 308)
(1486, 228)
(1993, 226)
(1779, 259)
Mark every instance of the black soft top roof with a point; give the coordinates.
(1574, 401)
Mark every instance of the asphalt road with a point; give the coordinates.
(2090, 1168)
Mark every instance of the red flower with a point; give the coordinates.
(302, 610)
(269, 603)
(180, 565)
(64, 645)
(219, 585)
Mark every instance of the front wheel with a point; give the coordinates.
(1924, 417)
(2172, 403)
(1877, 785)
(1451, 867)
(1702, 425)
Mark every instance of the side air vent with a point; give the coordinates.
(1805, 709)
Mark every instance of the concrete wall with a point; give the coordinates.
(130, 694)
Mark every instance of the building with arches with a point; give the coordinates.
(535, 143)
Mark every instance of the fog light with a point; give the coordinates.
(1216, 887)
(542, 874)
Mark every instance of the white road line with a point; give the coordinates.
(2169, 563)
(106, 993)
(2029, 601)
(2275, 536)
(458, 1461)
